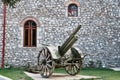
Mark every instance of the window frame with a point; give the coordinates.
(68, 10)
(76, 2)
(30, 29)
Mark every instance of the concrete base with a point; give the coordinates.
(4, 78)
(116, 69)
(59, 76)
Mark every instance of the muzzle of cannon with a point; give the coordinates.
(65, 56)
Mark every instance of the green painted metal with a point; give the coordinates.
(69, 42)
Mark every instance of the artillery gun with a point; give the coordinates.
(63, 56)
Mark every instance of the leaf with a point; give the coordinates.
(10, 3)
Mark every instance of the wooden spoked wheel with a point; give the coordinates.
(45, 62)
(73, 68)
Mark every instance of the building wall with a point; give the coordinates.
(1, 22)
(99, 36)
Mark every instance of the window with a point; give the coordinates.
(72, 10)
(30, 32)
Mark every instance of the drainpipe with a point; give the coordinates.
(4, 32)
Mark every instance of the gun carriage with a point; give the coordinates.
(63, 56)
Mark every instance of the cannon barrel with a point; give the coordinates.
(69, 42)
(74, 39)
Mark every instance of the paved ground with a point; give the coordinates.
(58, 76)
(4, 78)
(116, 69)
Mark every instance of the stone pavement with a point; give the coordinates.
(4, 78)
(59, 76)
(116, 69)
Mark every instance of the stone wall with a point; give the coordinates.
(99, 36)
(1, 29)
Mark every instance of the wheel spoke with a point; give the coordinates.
(75, 69)
(48, 70)
(41, 67)
(72, 70)
(45, 71)
(46, 53)
(42, 54)
(69, 68)
(77, 66)
(50, 66)
(48, 57)
(49, 61)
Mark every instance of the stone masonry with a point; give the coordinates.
(99, 36)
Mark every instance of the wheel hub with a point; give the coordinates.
(44, 62)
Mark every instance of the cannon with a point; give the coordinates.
(65, 56)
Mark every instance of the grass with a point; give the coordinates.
(15, 74)
(105, 74)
